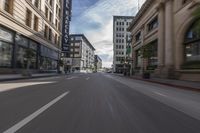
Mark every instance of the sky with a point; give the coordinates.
(94, 19)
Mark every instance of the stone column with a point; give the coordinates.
(142, 44)
(161, 36)
(168, 71)
(169, 54)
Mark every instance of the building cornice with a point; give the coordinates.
(141, 12)
(144, 9)
(83, 36)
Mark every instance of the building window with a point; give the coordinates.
(51, 3)
(153, 24)
(36, 22)
(46, 11)
(56, 23)
(5, 54)
(138, 58)
(8, 6)
(22, 58)
(59, 12)
(50, 17)
(153, 54)
(37, 3)
(46, 31)
(28, 17)
(192, 42)
(138, 36)
(50, 34)
(56, 38)
(23, 47)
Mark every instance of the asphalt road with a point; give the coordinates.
(96, 103)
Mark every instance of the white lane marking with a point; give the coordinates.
(10, 86)
(71, 78)
(46, 78)
(26, 120)
(158, 93)
(87, 78)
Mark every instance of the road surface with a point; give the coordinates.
(96, 103)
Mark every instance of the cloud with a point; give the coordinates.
(96, 22)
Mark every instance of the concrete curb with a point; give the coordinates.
(167, 84)
(171, 85)
(33, 77)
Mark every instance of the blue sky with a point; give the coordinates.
(94, 18)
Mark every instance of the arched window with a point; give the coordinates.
(192, 42)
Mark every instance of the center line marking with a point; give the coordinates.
(26, 120)
(88, 78)
(160, 94)
(71, 78)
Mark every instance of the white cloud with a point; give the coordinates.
(101, 15)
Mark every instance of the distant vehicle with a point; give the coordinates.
(109, 71)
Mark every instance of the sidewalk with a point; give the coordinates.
(8, 77)
(187, 85)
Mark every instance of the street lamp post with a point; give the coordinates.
(128, 52)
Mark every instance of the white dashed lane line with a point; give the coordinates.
(87, 78)
(158, 93)
(29, 118)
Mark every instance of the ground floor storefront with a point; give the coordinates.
(17, 50)
(182, 61)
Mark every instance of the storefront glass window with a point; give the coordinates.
(48, 64)
(21, 41)
(33, 45)
(48, 59)
(193, 32)
(192, 43)
(193, 51)
(6, 35)
(5, 54)
(153, 50)
(22, 58)
(23, 44)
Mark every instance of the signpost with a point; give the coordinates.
(65, 31)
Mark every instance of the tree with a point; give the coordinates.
(146, 54)
(196, 12)
(29, 54)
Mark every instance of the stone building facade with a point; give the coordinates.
(120, 37)
(97, 63)
(34, 25)
(81, 53)
(170, 31)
